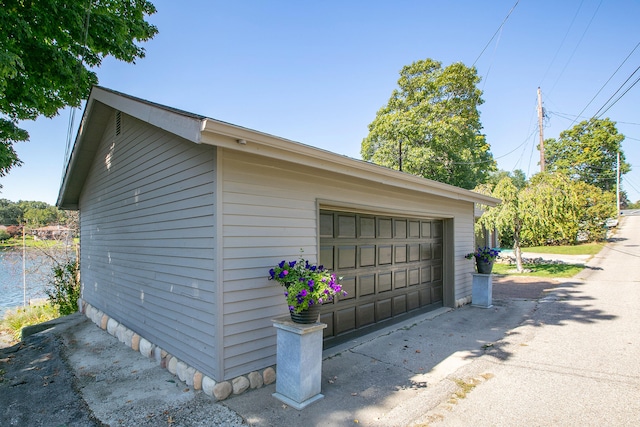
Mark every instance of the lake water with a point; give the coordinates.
(37, 273)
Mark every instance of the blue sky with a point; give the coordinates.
(317, 72)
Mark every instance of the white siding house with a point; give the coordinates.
(182, 216)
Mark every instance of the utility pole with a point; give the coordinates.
(618, 183)
(540, 117)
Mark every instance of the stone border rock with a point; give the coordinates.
(189, 375)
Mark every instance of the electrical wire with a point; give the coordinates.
(72, 113)
(576, 48)
(561, 43)
(497, 31)
(607, 82)
(620, 97)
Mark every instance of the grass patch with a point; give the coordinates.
(540, 270)
(16, 319)
(583, 249)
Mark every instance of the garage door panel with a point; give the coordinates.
(326, 257)
(399, 279)
(413, 300)
(349, 286)
(367, 228)
(414, 229)
(328, 319)
(426, 274)
(390, 266)
(400, 228)
(383, 309)
(384, 228)
(426, 229)
(400, 252)
(367, 285)
(437, 251)
(437, 272)
(425, 297)
(346, 226)
(414, 252)
(346, 257)
(384, 282)
(345, 320)
(436, 293)
(366, 314)
(384, 254)
(399, 304)
(367, 256)
(425, 251)
(326, 225)
(414, 277)
(437, 229)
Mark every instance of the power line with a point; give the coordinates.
(497, 31)
(597, 114)
(561, 43)
(607, 82)
(576, 48)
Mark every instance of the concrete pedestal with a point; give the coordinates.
(299, 362)
(482, 290)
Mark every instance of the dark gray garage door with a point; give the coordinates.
(391, 268)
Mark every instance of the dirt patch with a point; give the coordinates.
(509, 287)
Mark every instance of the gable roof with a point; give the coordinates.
(203, 130)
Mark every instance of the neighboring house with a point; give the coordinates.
(181, 217)
(51, 232)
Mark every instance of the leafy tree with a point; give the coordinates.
(518, 178)
(36, 214)
(48, 50)
(10, 213)
(595, 207)
(588, 152)
(39, 217)
(506, 217)
(431, 126)
(549, 208)
(624, 200)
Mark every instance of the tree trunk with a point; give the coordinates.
(516, 248)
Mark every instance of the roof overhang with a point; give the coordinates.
(200, 129)
(100, 105)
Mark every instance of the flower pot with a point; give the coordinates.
(307, 316)
(484, 267)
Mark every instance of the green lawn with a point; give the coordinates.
(551, 270)
(539, 270)
(584, 249)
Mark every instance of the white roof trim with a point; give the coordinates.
(200, 129)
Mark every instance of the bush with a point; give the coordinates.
(4, 235)
(65, 287)
(16, 319)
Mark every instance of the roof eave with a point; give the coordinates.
(101, 103)
(243, 139)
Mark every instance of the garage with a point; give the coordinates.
(391, 268)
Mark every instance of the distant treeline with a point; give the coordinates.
(13, 215)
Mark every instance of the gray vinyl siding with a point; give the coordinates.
(270, 213)
(148, 259)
